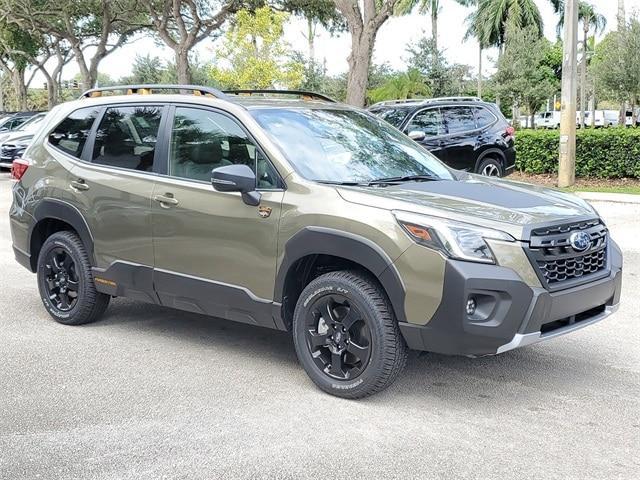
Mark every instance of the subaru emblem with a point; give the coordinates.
(580, 241)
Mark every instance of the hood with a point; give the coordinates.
(18, 138)
(496, 203)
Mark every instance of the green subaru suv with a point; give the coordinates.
(290, 211)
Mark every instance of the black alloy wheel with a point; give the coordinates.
(61, 279)
(65, 280)
(338, 337)
(346, 335)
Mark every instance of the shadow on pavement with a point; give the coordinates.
(554, 368)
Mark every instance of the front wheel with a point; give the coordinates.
(346, 335)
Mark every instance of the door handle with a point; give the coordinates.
(79, 185)
(166, 201)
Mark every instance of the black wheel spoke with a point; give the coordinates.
(61, 280)
(337, 365)
(327, 312)
(317, 340)
(55, 264)
(338, 337)
(350, 318)
(63, 302)
(67, 263)
(358, 350)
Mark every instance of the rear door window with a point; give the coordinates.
(127, 137)
(459, 119)
(71, 134)
(429, 121)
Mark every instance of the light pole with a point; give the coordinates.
(567, 166)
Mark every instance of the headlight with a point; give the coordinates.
(457, 240)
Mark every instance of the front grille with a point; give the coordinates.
(559, 265)
(7, 151)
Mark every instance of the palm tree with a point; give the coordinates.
(489, 21)
(590, 18)
(427, 6)
(409, 84)
(621, 15)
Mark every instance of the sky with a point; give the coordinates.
(391, 42)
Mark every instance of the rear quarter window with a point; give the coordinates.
(484, 117)
(71, 134)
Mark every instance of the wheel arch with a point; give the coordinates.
(53, 216)
(317, 250)
(490, 152)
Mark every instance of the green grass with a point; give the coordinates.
(635, 190)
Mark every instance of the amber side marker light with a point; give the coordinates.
(418, 232)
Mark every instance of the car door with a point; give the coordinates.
(214, 254)
(430, 122)
(112, 190)
(459, 149)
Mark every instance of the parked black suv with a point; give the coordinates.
(464, 132)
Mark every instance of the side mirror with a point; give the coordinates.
(237, 178)
(417, 135)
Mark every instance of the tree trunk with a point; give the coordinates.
(182, 66)
(480, 72)
(311, 39)
(434, 26)
(20, 88)
(583, 73)
(359, 62)
(88, 81)
(593, 107)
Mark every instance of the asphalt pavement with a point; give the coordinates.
(152, 393)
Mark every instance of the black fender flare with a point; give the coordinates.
(60, 210)
(355, 248)
(486, 153)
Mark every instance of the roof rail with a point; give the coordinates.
(426, 100)
(400, 101)
(148, 89)
(300, 93)
(456, 99)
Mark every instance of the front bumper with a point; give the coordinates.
(510, 314)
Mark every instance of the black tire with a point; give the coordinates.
(363, 305)
(490, 167)
(58, 278)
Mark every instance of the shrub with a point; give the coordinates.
(600, 153)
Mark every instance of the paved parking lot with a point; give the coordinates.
(152, 393)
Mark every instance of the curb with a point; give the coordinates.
(609, 197)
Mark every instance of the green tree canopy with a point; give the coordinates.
(257, 53)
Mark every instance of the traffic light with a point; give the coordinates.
(46, 85)
(75, 84)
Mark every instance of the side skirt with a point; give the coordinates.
(185, 292)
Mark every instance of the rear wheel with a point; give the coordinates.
(346, 335)
(490, 167)
(66, 283)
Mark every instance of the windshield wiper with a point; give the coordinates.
(405, 178)
(335, 182)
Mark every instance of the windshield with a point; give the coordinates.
(31, 124)
(346, 146)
